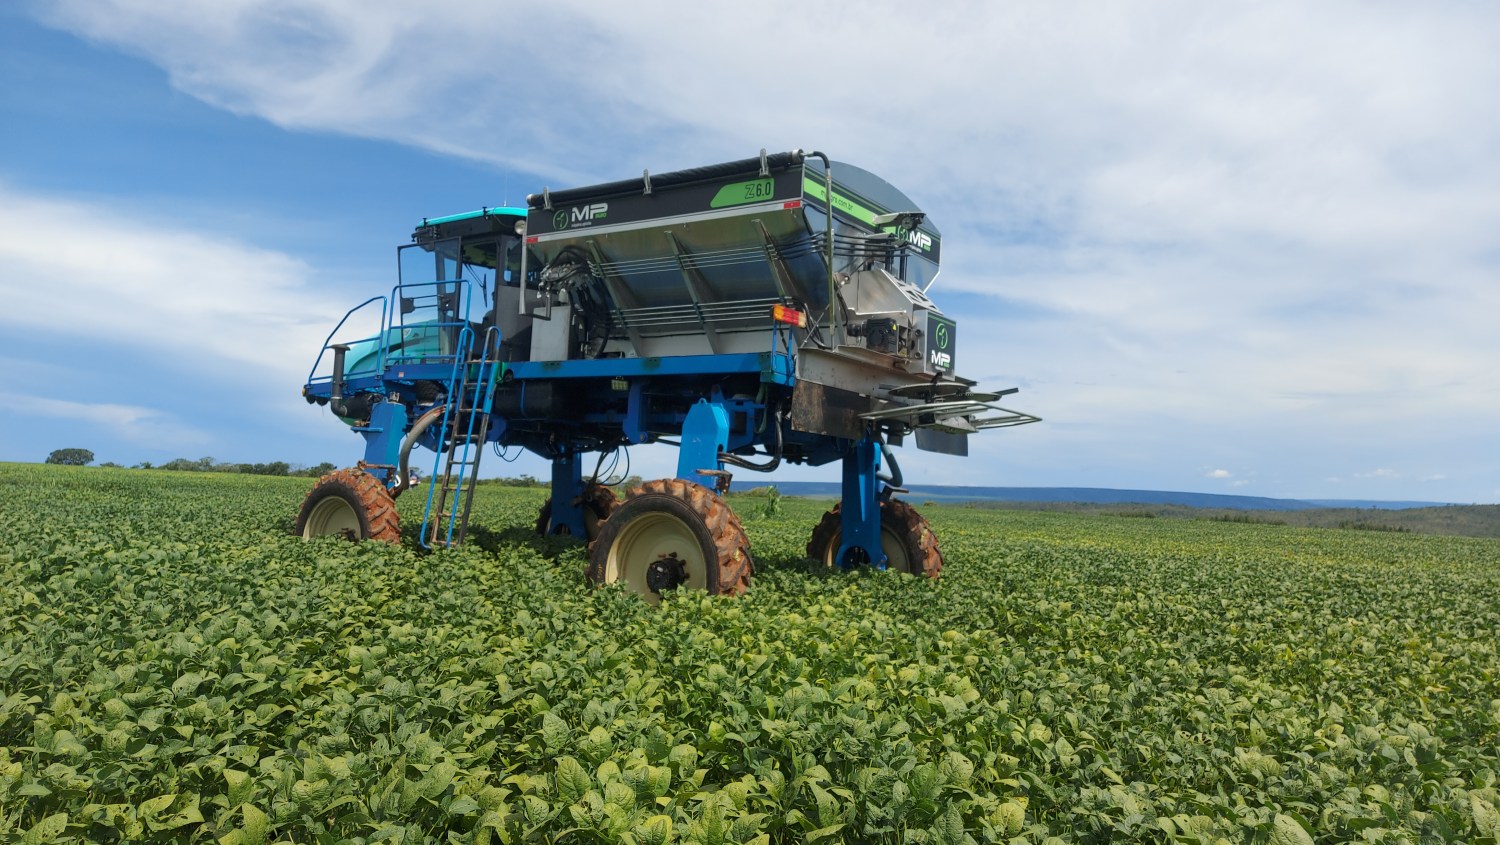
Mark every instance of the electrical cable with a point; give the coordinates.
(612, 480)
(775, 452)
(599, 464)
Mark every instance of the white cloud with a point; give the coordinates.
(98, 414)
(1268, 225)
(134, 423)
(198, 299)
(1218, 473)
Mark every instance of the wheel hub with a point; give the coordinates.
(666, 573)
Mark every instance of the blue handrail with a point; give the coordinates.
(311, 375)
(396, 334)
(397, 322)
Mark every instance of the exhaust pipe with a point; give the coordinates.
(336, 397)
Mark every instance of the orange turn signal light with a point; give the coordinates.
(790, 316)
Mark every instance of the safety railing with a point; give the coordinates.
(690, 318)
(314, 378)
(401, 341)
(435, 340)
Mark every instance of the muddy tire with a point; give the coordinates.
(672, 534)
(905, 537)
(349, 503)
(598, 503)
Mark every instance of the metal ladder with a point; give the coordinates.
(471, 390)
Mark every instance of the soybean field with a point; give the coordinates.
(175, 666)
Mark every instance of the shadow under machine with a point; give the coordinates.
(752, 313)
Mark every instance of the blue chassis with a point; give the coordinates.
(705, 431)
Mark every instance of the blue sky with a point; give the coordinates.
(1241, 247)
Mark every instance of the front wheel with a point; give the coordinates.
(349, 503)
(672, 534)
(906, 538)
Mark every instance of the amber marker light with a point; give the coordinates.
(790, 316)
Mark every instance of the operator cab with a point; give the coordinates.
(451, 261)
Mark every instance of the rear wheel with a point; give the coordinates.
(349, 503)
(598, 503)
(905, 537)
(672, 534)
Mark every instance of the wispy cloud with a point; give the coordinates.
(98, 414)
(1272, 225)
(197, 299)
(148, 426)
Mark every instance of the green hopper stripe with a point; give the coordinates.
(815, 190)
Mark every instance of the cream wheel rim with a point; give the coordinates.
(333, 515)
(650, 538)
(890, 543)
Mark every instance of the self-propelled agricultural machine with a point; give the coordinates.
(757, 312)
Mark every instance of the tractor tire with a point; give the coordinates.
(672, 533)
(349, 503)
(598, 503)
(905, 537)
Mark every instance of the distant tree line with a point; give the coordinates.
(83, 457)
(210, 465)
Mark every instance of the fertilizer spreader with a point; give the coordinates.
(752, 313)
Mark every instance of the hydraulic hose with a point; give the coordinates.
(403, 471)
(768, 466)
(893, 480)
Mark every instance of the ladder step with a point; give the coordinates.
(470, 393)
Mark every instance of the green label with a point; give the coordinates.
(942, 337)
(756, 190)
(815, 190)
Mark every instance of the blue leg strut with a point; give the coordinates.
(860, 527)
(705, 433)
(383, 440)
(567, 487)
